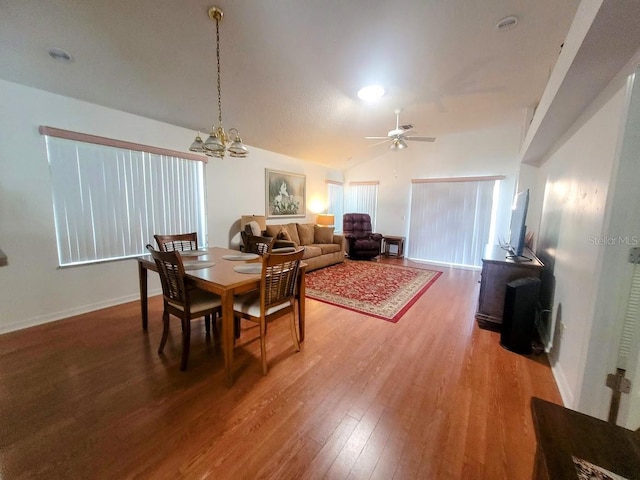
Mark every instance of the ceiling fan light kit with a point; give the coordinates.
(398, 144)
(216, 144)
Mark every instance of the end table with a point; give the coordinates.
(389, 240)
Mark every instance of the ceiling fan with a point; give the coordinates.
(400, 135)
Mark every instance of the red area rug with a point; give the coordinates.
(380, 290)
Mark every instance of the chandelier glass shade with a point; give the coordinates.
(219, 142)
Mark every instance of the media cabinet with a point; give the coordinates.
(498, 269)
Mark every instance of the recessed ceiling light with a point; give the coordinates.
(371, 92)
(507, 23)
(60, 55)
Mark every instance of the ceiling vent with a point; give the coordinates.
(60, 55)
(507, 23)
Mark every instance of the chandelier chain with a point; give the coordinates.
(218, 60)
(216, 143)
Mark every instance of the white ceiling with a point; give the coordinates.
(290, 68)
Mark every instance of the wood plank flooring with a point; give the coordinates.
(432, 396)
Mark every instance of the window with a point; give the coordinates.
(109, 201)
(451, 219)
(335, 202)
(362, 197)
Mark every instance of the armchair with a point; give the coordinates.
(361, 243)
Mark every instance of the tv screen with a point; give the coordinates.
(518, 219)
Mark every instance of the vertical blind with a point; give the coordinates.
(362, 197)
(335, 203)
(109, 202)
(450, 220)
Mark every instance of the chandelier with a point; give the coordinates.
(219, 141)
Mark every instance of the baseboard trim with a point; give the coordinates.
(61, 315)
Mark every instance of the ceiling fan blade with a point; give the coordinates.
(378, 143)
(376, 138)
(421, 139)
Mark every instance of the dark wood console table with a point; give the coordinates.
(498, 269)
(563, 434)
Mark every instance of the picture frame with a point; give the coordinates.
(285, 194)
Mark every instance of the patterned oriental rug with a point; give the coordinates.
(380, 290)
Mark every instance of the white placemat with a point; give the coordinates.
(198, 264)
(249, 268)
(192, 253)
(241, 256)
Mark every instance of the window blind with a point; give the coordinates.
(335, 203)
(450, 220)
(109, 202)
(362, 197)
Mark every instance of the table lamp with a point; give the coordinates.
(325, 220)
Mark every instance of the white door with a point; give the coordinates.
(618, 301)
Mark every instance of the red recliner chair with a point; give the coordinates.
(361, 242)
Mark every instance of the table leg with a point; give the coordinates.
(227, 335)
(302, 285)
(144, 308)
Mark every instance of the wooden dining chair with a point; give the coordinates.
(186, 303)
(181, 242)
(260, 245)
(178, 242)
(275, 298)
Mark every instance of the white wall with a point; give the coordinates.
(32, 288)
(577, 176)
(476, 153)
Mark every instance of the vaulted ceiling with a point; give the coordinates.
(291, 69)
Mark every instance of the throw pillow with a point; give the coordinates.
(273, 230)
(293, 233)
(306, 233)
(283, 234)
(323, 234)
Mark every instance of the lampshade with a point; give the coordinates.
(325, 219)
(260, 219)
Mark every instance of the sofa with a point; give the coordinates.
(322, 246)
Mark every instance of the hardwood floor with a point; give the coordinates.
(432, 396)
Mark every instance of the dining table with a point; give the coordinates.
(215, 269)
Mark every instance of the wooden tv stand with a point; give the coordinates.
(498, 270)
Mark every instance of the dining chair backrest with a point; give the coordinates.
(279, 275)
(171, 271)
(260, 245)
(178, 242)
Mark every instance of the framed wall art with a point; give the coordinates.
(285, 194)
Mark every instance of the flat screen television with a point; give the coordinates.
(518, 228)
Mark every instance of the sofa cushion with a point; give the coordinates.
(306, 233)
(311, 251)
(293, 233)
(328, 247)
(322, 234)
(273, 230)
